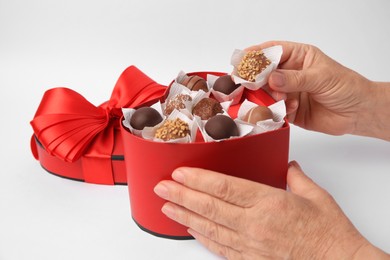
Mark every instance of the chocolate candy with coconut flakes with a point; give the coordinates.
(177, 102)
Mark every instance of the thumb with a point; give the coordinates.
(299, 183)
(288, 81)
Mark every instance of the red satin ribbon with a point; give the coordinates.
(70, 127)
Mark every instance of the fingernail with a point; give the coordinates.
(168, 211)
(161, 190)
(193, 233)
(294, 164)
(278, 79)
(178, 175)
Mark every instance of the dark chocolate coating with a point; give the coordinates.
(207, 108)
(145, 116)
(225, 84)
(221, 127)
(195, 83)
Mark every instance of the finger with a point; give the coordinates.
(299, 183)
(207, 206)
(276, 95)
(207, 228)
(290, 81)
(291, 105)
(215, 247)
(231, 189)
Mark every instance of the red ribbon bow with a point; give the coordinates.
(70, 127)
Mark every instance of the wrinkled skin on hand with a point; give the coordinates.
(241, 219)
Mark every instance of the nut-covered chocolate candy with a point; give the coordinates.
(206, 108)
(172, 129)
(145, 116)
(177, 102)
(257, 114)
(195, 83)
(253, 63)
(225, 84)
(221, 127)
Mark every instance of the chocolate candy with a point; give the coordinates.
(195, 83)
(225, 84)
(221, 127)
(253, 63)
(207, 108)
(145, 116)
(177, 103)
(257, 114)
(172, 129)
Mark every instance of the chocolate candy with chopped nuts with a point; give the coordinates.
(195, 83)
(258, 113)
(145, 116)
(206, 108)
(177, 102)
(221, 127)
(172, 129)
(252, 64)
(225, 84)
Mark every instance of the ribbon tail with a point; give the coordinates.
(96, 162)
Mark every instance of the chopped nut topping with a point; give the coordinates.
(253, 63)
(172, 129)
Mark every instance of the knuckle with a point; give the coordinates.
(223, 251)
(208, 209)
(223, 189)
(179, 195)
(297, 78)
(278, 204)
(186, 219)
(211, 231)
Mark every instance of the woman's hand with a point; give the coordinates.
(241, 219)
(324, 96)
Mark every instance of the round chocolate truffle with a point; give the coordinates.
(172, 129)
(195, 83)
(206, 108)
(145, 116)
(225, 84)
(178, 102)
(221, 127)
(253, 63)
(259, 113)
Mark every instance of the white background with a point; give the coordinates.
(85, 45)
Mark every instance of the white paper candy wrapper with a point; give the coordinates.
(235, 96)
(278, 111)
(149, 132)
(243, 129)
(128, 113)
(273, 53)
